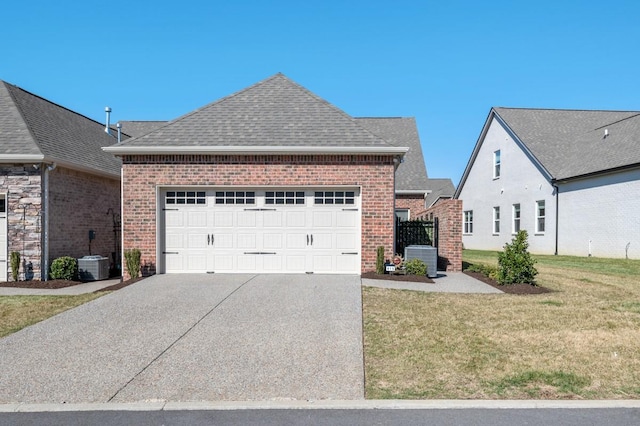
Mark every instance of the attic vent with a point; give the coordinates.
(606, 133)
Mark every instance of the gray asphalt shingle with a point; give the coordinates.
(274, 112)
(402, 132)
(440, 188)
(570, 143)
(31, 125)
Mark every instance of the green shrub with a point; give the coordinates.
(380, 260)
(415, 267)
(64, 268)
(15, 264)
(486, 270)
(515, 264)
(132, 258)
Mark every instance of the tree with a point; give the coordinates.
(515, 264)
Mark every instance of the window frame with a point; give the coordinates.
(408, 211)
(467, 222)
(496, 164)
(541, 217)
(516, 219)
(496, 220)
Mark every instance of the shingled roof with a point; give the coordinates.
(33, 129)
(274, 115)
(136, 129)
(411, 175)
(439, 188)
(572, 143)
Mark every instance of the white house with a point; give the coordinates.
(570, 178)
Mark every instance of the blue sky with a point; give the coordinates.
(446, 63)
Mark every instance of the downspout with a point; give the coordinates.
(557, 214)
(44, 272)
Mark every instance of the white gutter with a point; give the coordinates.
(424, 192)
(226, 150)
(21, 158)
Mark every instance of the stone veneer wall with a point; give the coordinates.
(23, 186)
(142, 174)
(449, 215)
(78, 202)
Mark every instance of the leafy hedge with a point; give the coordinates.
(64, 268)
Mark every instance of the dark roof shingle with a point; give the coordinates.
(571, 143)
(32, 126)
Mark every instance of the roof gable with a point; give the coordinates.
(273, 113)
(411, 174)
(36, 127)
(571, 143)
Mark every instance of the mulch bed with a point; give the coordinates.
(509, 288)
(54, 284)
(391, 277)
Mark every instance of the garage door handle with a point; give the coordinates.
(311, 239)
(307, 239)
(208, 239)
(350, 252)
(170, 252)
(349, 210)
(259, 252)
(259, 210)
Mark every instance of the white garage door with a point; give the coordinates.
(261, 230)
(3, 239)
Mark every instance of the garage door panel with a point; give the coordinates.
(222, 219)
(247, 241)
(223, 241)
(322, 219)
(223, 235)
(272, 241)
(247, 219)
(272, 219)
(346, 241)
(197, 219)
(347, 264)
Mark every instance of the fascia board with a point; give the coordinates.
(21, 158)
(230, 150)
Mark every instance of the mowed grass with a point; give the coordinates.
(17, 312)
(580, 342)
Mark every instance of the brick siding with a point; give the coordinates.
(413, 202)
(78, 202)
(143, 174)
(449, 215)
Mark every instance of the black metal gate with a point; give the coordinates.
(416, 232)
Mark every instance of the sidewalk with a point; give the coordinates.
(74, 290)
(446, 282)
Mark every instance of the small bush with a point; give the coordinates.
(515, 264)
(132, 258)
(64, 268)
(380, 260)
(486, 270)
(15, 264)
(415, 267)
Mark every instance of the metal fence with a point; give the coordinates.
(416, 232)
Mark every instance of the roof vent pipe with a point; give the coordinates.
(108, 111)
(606, 133)
(119, 126)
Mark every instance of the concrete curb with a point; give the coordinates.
(322, 405)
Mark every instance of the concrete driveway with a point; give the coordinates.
(195, 338)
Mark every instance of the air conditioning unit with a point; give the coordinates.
(93, 268)
(428, 254)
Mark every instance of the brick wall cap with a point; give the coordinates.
(278, 150)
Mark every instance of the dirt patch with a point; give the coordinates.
(510, 288)
(391, 277)
(55, 284)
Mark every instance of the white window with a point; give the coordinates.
(496, 220)
(468, 222)
(516, 218)
(335, 197)
(402, 215)
(540, 216)
(284, 197)
(496, 164)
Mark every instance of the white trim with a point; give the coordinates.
(424, 192)
(21, 158)
(150, 150)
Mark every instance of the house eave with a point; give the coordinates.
(248, 150)
(21, 158)
(422, 192)
(596, 174)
